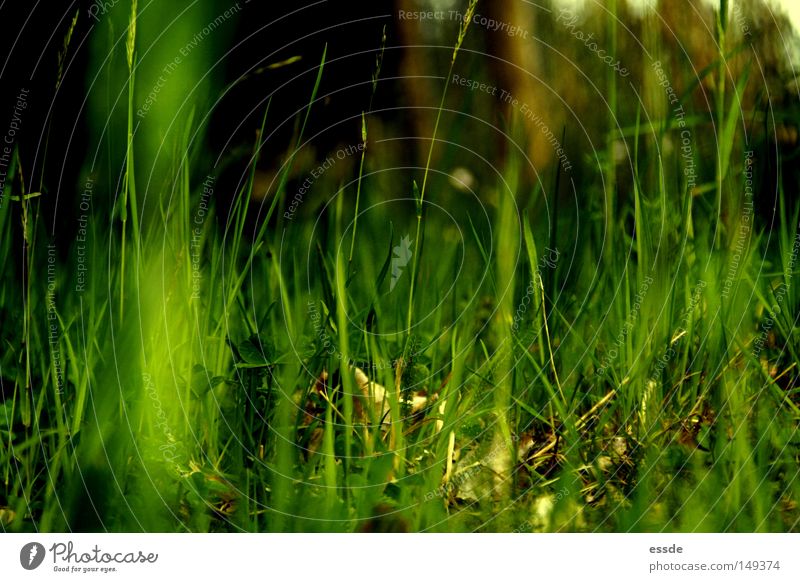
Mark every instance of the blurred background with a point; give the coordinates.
(222, 64)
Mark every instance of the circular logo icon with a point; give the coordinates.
(31, 555)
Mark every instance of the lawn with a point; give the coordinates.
(361, 339)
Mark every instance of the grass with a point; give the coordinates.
(570, 386)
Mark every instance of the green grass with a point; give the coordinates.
(644, 397)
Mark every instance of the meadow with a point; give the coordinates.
(467, 341)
